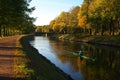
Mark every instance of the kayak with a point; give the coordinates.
(75, 54)
(87, 58)
(83, 57)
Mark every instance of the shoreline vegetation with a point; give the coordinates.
(113, 41)
(40, 67)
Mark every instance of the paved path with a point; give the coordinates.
(7, 54)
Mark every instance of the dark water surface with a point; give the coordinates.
(105, 67)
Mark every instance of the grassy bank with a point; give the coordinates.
(39, 68)
(103, 40)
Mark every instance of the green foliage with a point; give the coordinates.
(21, 69)
(14, 15)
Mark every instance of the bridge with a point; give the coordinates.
(43, 34)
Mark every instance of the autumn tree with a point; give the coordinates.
(93, 17)
(83, 16)
(104, 15)
(73, 19)
(66, 22)
(60, 23)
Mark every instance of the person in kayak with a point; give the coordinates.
(81, 52)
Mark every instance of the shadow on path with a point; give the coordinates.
(8, 78)
(8, 47)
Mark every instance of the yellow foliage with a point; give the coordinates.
(82, 21)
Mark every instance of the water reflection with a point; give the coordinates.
(105, 67)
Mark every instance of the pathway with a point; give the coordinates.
(7, 54)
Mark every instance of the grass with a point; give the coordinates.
(38, 67)
(21, 70)
(20, 66)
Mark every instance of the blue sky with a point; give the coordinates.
(47, 10)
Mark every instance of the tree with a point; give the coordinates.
(60, 23)
(73, 19)
(83, 15)
(14, 13)
(97, 17)
(104, 14)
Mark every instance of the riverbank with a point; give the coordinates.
(101, 40)
(42, 68)
(20, 61)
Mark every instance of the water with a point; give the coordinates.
(105, 67)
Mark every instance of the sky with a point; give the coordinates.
(47, 10)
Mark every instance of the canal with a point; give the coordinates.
(105, 66)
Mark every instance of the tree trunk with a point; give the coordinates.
(0, 31)
(90, 31)
(113, 27)
(6, 31)
(102, 30)
(85, 29)
(110, 28)
(119, 32)
(4, 34)
(113, 30)
(118, 28)
(95, 31)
